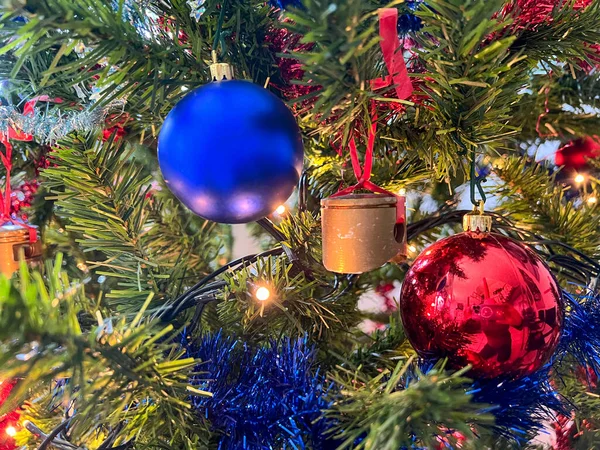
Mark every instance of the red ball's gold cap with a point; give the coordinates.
(477, 221)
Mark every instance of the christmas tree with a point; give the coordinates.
(421, 175)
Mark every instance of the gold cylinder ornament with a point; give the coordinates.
(362, 232)
(15, 244)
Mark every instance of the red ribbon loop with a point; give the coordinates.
(392, 55)
(363, 174)
(398, 75)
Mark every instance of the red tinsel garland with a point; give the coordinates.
(529, 14)
(282, 41)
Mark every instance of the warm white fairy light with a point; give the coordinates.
(592, 200)
(412, 249)
(579, 178)
(280, 210)
(11, 431)
(262, 294)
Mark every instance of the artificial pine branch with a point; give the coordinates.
(559, 105)
(121, 372)
(147, 244)
(297, 306)
(399, 409)
(533, 199)
(472, 72)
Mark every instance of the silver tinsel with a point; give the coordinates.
(197, 8)
(53, 124)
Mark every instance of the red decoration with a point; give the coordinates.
(22, 196)
(594, 59)
(484, 300)
(575, 154)
(450, 439)
(282, 41)
(392, 55)
(44, 159)
(390, 294)
(6, 197)
(564, 429)
(398, 77)
(116, 125)
(168, 25)
(9, 423)
(529, 14)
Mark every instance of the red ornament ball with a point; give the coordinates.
(485, 300)
(575, 154)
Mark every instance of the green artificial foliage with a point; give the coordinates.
(93, 334)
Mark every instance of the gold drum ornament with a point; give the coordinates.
(362, 232)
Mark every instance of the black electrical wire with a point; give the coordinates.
(192, 295)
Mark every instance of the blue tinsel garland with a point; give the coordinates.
(265, 398)
(581, 334)
(273, 396)
(519, 406)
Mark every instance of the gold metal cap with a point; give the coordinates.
(360, 201)
(220, 71)
(14, 233)
(477, 221)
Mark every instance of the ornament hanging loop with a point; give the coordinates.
(475, 180)
(480, 207)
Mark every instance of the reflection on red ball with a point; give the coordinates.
(575, 154)
(484, 300)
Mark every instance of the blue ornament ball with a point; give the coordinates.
(231, 151)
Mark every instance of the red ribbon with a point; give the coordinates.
(392, 55)
(398, 76)
(6, 159)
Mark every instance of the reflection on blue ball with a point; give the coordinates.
(231, 151)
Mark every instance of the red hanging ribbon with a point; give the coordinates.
(6, 159)
(392, 55)
(5, 216)
(363, 174)
(398, 75)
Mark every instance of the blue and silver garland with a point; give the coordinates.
(520, 406)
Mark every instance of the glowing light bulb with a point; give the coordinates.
(262, 294)
(11, 431)
(579, 178)
(402, 191)
(280, 209)
(592, 200)
(412, 249)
